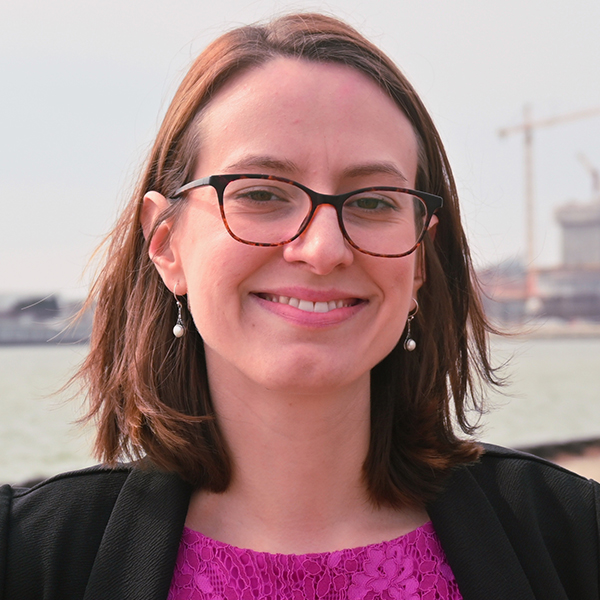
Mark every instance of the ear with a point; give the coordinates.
(161, 250)
(420, 276)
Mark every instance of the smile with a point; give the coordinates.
(309, 306)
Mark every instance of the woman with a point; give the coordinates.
(285, 333)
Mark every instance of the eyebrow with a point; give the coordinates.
(266, 162)
(374, 168)
(290, 167)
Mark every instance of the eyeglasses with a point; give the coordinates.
(264, 210)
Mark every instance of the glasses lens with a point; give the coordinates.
(264, 211)
(383, 221)
(267, 211)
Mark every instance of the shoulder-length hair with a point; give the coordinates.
(149, 392)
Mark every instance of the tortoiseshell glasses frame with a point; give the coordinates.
(430, 202)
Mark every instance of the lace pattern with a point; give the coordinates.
(411, 567)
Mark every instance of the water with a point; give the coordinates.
(554, 396)
(37, 431)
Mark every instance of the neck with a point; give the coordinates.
(297, 482)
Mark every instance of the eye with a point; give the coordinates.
(371, 203)
(257, 195)
(379, 206)
(261, 199)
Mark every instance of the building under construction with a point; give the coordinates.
(568, 291)
(572, 290)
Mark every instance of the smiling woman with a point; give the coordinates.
(297, 228)
(339, 121)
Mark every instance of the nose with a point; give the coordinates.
(322, 245)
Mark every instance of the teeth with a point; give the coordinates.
(307, 305)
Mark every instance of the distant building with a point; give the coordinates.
(580, 225)
(42, 320)
(504, 291)
(568, 291)
(572, 290)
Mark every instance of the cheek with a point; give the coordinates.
(399, 291)
(218, 272)
(398, 280)
(210, 292)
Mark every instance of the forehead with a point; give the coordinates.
(305, 112)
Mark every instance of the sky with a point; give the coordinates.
(84, 85)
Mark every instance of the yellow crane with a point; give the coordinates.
(527, 127)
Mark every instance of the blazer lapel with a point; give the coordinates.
(480, 554)
(137, 554)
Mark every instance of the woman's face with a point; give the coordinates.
(332, 129)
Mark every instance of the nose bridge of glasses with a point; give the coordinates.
(337, 201)
(319, 200)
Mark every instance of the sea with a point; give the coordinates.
(552, 396)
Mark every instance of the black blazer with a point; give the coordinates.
(514, 527)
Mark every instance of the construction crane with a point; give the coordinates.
(527, 127)
(594, 172)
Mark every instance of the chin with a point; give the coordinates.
(309, 379)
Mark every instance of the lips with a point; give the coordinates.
(310, 306)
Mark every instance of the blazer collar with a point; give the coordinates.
(479, 552)
(137, 555)
(138, 551)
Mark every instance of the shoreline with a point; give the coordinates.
(550, 330)
(580, 456)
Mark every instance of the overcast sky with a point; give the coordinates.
(85, 82)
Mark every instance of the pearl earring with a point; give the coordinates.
(409, 343)
(179, 328)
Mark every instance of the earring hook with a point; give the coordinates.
(179, 328)
(409, 343)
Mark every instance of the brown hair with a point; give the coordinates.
(149, 392)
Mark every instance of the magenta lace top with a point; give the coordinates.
(411, 567)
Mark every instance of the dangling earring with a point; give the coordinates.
(409, 343)
(179, 328)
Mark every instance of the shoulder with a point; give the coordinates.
(84, 500)
(522, 483)
(524, 494)
(62, 496)
(514, 513)
(80, 479)
(58, 521)
(98, 520)
(516, 474)
(67, 511)
(531, 498)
